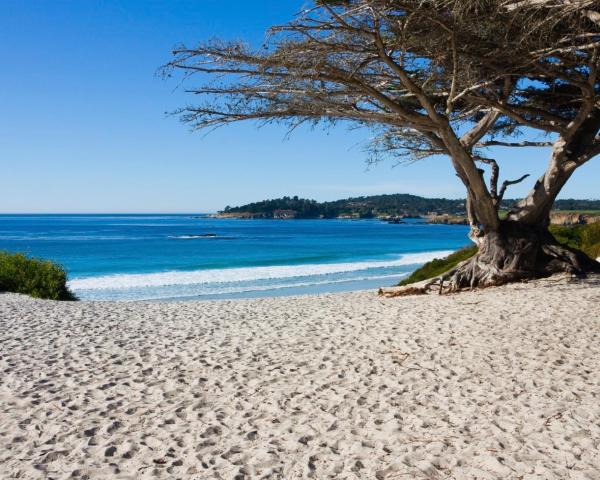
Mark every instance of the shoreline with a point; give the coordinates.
(489, 384)
(308, 290)
(254, 281)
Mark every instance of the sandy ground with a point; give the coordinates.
(497, 384)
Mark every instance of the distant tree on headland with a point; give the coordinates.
(361, 207)
(399, 204)
(302, 208)
(437, 77)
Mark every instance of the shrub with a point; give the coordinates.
(582, 237)
(438, 266)
(34, 277)
(567, 235)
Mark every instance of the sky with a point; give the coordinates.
(85, 124)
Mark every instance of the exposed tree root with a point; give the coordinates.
(516, 253)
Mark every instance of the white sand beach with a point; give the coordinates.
(496, 384)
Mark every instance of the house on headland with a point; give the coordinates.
(284, 214)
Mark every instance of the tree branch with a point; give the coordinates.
(410, 85)
(507, 183)
(494, 143)
(480, 129)
(493, 177)
(511, 111)
(452, 93)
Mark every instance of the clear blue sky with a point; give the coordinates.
(83, 125)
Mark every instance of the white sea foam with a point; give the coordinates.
(226, 275)
(174, 292)
(199, 236)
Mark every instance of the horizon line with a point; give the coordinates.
(109, 213)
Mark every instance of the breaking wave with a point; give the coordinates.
(244, 274)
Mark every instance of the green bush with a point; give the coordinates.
(34, 277)
(438, 266)
(582, 237)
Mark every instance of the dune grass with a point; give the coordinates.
(35, 277)
(582, 237)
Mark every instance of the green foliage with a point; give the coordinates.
(397, 204)
(437, 266)
(303, 208)
(362, 207)
(581, 237)
(379, 205)
(581, 206)
(34, 277)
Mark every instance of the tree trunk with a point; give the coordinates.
(518, 251)
(569, 152)
(538, 203)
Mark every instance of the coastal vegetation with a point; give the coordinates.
(581, 237)
(585, 238)
(34, 277)
(394, 205)
(359, 207)
(461, 78)
(439, 266)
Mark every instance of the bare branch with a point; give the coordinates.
(493, 177)
(548, 123)
(496, 143)
(507, 183)
(480, 129)
(452, 93)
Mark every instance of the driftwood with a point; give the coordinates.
(421, 288)
(418, 288)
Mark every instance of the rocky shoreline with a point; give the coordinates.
(556, 217)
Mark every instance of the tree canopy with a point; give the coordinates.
(431, 77)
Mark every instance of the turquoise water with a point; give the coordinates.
(145, 257)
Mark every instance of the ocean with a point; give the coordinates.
(183, 257)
